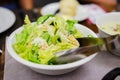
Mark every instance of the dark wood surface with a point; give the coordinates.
(19, 22)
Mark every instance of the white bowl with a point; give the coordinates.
(108, 18)
(50, 69)
(112, 19)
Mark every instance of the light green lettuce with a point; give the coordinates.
(39, 41)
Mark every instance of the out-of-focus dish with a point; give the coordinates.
(68, 7)
(7, 19)
(80, 13)
(108, 24)
(21, 36)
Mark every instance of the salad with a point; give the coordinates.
(39, 41)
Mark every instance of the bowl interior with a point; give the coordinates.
(108, 18)
(11, 51)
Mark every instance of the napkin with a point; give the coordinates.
(95, 12)
(96, 69)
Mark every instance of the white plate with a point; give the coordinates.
(7, 19)
(82, 12)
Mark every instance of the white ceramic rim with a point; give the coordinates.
(10, 15)
(107, 14)
(41, 66)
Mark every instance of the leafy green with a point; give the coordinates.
(39, 41)
(43, 18)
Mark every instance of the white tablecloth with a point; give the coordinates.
(93, 70)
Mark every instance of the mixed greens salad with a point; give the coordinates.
(39, 41)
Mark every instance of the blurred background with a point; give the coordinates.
(108, 5)
(33, 9)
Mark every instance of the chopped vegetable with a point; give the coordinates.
(39, 41)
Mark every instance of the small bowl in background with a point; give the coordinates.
(109, 24)
(107, 20)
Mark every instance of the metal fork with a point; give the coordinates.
(89, 47)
